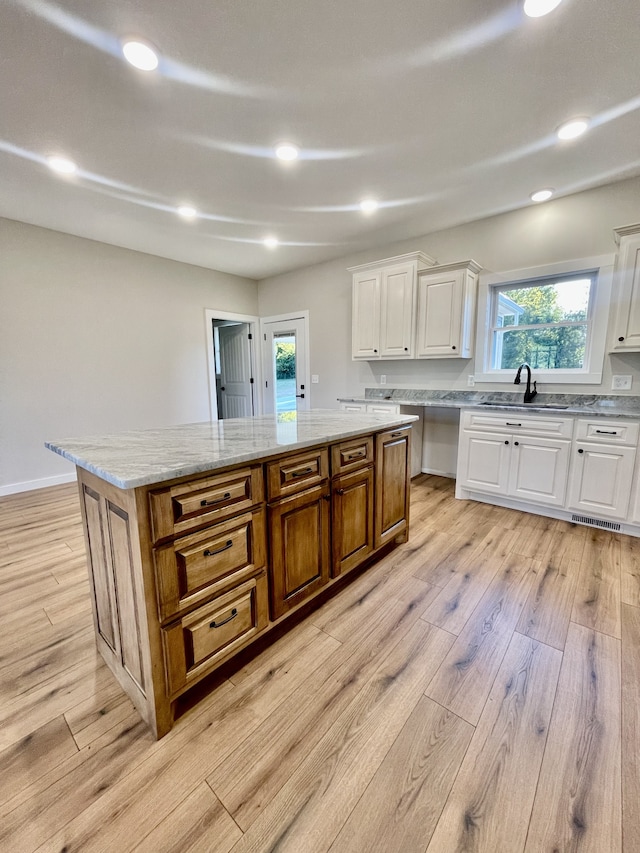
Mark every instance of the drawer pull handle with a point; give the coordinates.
(509, 424)
(302, 473)
(358, 455)
(396, 434)
(215, 624)
(225, 497)
(225, 547)
(606, 432)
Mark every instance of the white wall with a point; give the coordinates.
(568, 228)
(96, 339)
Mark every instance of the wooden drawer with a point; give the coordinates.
(297, 472)
(517, 421)
(611, 432)
(199, 641)
(195, 567)
(351, 455)
(188, 506)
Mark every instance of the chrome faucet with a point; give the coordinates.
(528, 394)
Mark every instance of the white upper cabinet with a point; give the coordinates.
(384, 297)
(446, 310)
(626, 331)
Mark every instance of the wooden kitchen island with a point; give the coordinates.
(201, 538)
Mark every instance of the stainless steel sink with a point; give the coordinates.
(523, 405)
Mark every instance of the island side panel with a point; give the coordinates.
(119, 601)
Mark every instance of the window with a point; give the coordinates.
(553, 318)
(545, 323)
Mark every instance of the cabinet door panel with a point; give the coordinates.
(366, 315)
(601, 477)
(299, 528)
(439, 314)
(538, 470)
(352, 519)
(627, 328)
(393, 471)
(483, 462)
(396, 311)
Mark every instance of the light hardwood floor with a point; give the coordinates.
(476, 690)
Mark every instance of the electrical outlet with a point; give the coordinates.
(471, 381)
(315, 379)
(383, 379)
(621, 383)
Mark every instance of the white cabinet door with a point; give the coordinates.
(538, 470)
(483, 461)
(601, 476)
(366, 315)
(439, 314)
(627, 289)
(397, 291)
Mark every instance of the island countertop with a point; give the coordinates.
(143, 457)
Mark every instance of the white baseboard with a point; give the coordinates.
(42, 483)
(439, 473)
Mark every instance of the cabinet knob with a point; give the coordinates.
(406, 349)
(516, 443)
(580, 450)
(375, 350)
(506, 442)
(621, 339)
(453, 347)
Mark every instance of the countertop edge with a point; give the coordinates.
(164, 475)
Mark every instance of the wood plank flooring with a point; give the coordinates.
(478, 689)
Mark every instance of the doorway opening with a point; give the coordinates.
(233, 367)
(285, 357)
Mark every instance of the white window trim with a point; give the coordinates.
(591, 374)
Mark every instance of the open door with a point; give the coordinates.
(236, 387)
(286, 364)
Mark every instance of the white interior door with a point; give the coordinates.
(236, 390)
(285, 364)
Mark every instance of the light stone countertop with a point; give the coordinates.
(614, 406)
(144, 457)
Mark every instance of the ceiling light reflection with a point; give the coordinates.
(187, 212)
(573, 129)
(538, 8)
(287, 152)
(62, 165)
(541, 195)
(140, 54)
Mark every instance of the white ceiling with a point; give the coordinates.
(444, 110)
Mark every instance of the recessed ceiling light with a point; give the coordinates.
(62, 165)
(538, 8)
(270, 242)
(287, 151)
(368, 205)
(140, 54)
(541, 195)
(572, 129)
(187, 212)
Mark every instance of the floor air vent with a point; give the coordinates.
(596, 522)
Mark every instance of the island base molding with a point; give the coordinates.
(186, 574)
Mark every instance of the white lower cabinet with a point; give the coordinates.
(529, 468)
(601, 478)
(581, 466)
